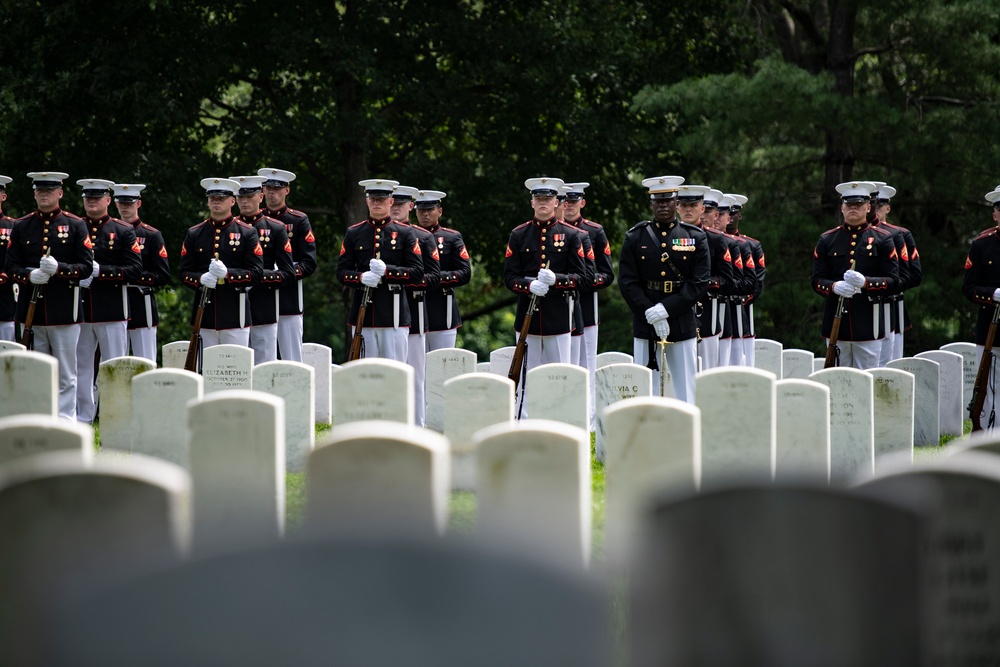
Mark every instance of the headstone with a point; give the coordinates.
(768, 356)
(114, 384)
(159, 408)
(442, 365)
(893, 410)
(818, 364)
(852, 422)
(320, 357)
(483, 367)
(293, 382)
(237, 470)
(797, 364)
(776, 576)
(737, 424)
(227, 367)
(960, 590)
(26, 435)
(608, 358)
(70, 528)
(617, 382)
(373, 389)
(11, 346)
(926, 399)
(802, 433)
(174, 354)
(471, 402)
(534, 490)
(500, 360)
(29, 384)
(334, 369)
(378, 479)
(560, 392)
(950, 379)
(970, 365)
(653, 444)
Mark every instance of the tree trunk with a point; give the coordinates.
(839, 157)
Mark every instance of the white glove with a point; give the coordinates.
(538, 288)
(49, 265)
(662, 328)
(370, 279)
(86, 282)
(39, 277)
(377, 266)
(208, 280)
(841, 288)
(854, 279)
(546, 276)
(996, 294)
(217, 269)
(657, 312)
(96, 272)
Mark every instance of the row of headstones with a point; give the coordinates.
(909, 552)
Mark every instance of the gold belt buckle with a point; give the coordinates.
(668, 287)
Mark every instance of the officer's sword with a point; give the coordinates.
(662, 354)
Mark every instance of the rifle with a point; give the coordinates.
(192, 362)
(357, 348)
(832, 350)
(27, 332)
(519, 362)
(983, 377)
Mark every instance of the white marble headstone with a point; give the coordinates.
(608, 358)
(852, 422)
(950, 379)
(114, 383)
(227, 367)
(768, 356)
(159, 413)
(442, 365)
(320, 357)
(926, 399)
(737, 426)
(893, 409)
(378, 479)
(483, 367)
(818, 364)
(970, 364)
(797, 364)
(802, 437)
(617, 382)
(29, 384)
(560, 392)
(653, 445)
(9, 345)
(500, 360)
(373, 389)
(237, 470)
(174, 354)
(26, 435)
(293, 382)
(534, 490)
(472, 402)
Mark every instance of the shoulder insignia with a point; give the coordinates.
(607, 249)
(579, 251)
(904, 255)
(915, 255)
(893, 255)
(727, 257)
(86, 242)
(815, 254)
(342, 248)
(738, 263)
(258, 250)
(136, 248)
(295, 212)
(435, 255)
(416, 247)
(750, 264)
(830, 231)
(638, 225)
(989, 232)
(288, 246)
(184, 250)
(509, 251)
(163, 251)
(590, 254)
(309, 237)
(357, 224)
(968, 262)
(464, 254)
(762, 260)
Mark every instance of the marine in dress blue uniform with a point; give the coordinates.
(143, 314)
(386, 257)
(222, 254)
(59, 310)
(278, 268)
(875, 272)
(914, 274)
(982, 286)
(663, 272)
(756, 264)
(300, 235)
(6, 285)
(443, 317)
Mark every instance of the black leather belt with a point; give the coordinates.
(667, 287)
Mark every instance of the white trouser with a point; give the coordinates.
(61, 342)
(588, 359)
(112, 339)
(416, 356)
(6, 331)
(897, 346)
(725, 351)
(736, 352)
(989, 405)
(682, 360)
(387, 343)
(748, 352)
(885, 350)
(576, 349)
(290, 337)
(211, 337)
(708, 351)
(264, 341)
(143, 342)
(438, 340)
(862, 355)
